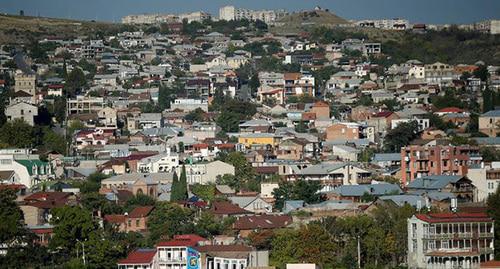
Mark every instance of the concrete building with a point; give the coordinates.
(205, 173)
(486, 179)
(450, 240)
(420, 161)
(343, 130)
(230, 13)
(439, 73)
(24, 168)
(161, 163)
(189, 104)
(489, 123)
(84, 104)
(25, 82)
(23, 111)
(490, 27)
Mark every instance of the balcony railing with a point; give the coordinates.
(458, 235)
(172, 260)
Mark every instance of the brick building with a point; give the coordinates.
(420, 161)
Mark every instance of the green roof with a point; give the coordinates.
(30, 163)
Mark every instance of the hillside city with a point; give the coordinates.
(249, 139)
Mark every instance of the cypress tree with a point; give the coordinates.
(175, 191)
(183, 189)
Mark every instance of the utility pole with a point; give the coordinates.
(83, 257)
(359, 254)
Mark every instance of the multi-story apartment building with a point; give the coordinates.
(189, 104)
(450, 240)
(84, 104)
(205, 173)
(489, 27)
(162, 163)
(230, 13)
(419, 161)
(298, 84)
(489, 123)
(386, 24)
(486, 179)
(439, 73)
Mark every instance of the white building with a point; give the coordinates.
(450, 240)
(486, 179)
(18, 166)
(205, 173)
(162, 163)
(189, 104)
(230, 13)
(23, 111)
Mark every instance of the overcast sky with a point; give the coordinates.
(424, 11)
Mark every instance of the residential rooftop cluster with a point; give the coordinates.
(192, 143)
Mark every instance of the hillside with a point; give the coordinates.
(20, 29)
(299, 21)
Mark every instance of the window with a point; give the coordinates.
(414, 245)
(22, 111)
(445, 244)
(431, 245)
(137, 222)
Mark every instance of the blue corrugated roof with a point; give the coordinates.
(373, 189)
(433, 182)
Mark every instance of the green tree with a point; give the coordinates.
(482, 73)
(53, 141)
(12, 225)
(169, 219)
(243, 170)
(175, 189)
(301, 127)
(102, 252)
(309, 244)
(75, 82)
(205, 192)
(72, 225)
(401, 136)
(195, 115)
(139, 200)
(208, 225)
(183, 190)
(18, 134)
(297, 190)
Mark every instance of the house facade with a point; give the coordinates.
(450, 240)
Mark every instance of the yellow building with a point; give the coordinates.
(258, 139)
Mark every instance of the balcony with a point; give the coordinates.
(172, 260)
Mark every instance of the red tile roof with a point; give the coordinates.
(140, 256)
(227, 208)
(115, 219)
(451, 110)
(184, 240)
(262, 222)
(321, 104)
(15, 187)
(382, 114)
(454, 217)
(47, 196)
(140, 212)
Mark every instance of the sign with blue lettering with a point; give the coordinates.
(193, 259)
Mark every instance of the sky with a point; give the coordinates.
(417, 11)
